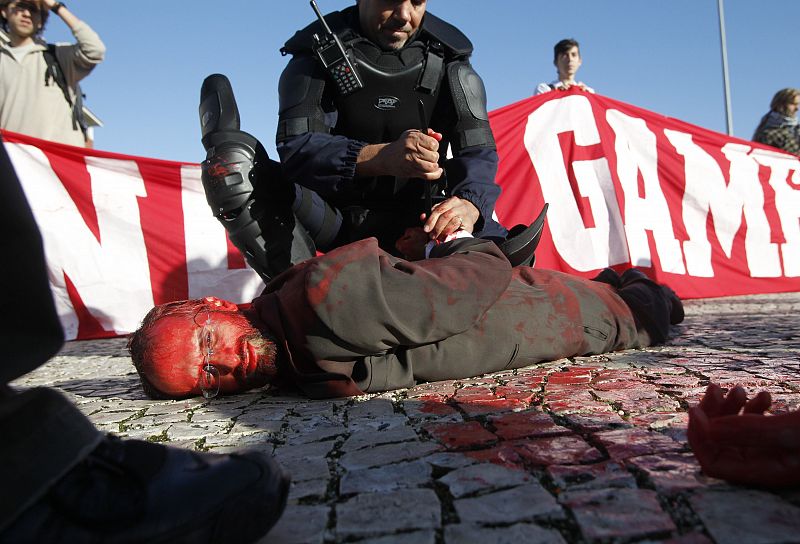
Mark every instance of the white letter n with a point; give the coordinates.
(111, 275)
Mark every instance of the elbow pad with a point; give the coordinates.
(300, 96)
(469, 99)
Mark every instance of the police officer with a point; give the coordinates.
(369, 103)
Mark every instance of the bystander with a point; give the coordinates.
(39, 91)
(779, 127)
(63, 480)
(567, 60)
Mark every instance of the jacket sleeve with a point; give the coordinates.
(464, 121)
(375, 303)
(471, 176)
(79, 59)
(310, 155)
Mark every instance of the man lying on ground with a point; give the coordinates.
(358, 320)
(733, 439)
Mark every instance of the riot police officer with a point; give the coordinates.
(370, 101)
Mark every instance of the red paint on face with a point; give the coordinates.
(239, 353)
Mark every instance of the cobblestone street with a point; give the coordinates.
(590, 449)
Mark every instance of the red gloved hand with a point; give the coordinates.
(748, 448)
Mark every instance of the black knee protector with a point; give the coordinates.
(244, 188)
(229, 176)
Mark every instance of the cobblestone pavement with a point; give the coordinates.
(590, 449)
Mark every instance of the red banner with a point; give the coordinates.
(708, 214)
(122, 234)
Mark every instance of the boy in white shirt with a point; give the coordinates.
(567, 60)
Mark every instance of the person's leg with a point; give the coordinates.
(44, 434)
(654, 307)
(62, 480)
(137, 491)
(31, 332)
(45, 437)
(245, 188)
(322, 221)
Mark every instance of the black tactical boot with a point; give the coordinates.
(244, 187)
(134, 491)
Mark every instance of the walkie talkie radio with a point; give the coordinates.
(334, 59)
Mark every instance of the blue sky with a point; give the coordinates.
(661, 55)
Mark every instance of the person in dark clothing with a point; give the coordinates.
(779, 127)
(359, 320)
(366, 159)
(64, 481)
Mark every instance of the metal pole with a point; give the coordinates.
(726, 82)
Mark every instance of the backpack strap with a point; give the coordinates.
(55, 72)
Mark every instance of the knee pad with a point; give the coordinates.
(244, 187)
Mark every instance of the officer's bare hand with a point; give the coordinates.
(414, 155)
(449, 216)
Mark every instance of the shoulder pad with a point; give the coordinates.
(302, 41)
(449, 36)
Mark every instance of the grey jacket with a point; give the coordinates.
(359, 320)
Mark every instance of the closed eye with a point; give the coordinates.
(208, 339)
(205, 341)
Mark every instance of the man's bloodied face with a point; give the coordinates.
(390, 23)
(218, 335)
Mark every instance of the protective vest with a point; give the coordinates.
(401, 90)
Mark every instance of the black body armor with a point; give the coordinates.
(401, 90)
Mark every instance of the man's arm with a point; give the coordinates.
(474, 192)
(414, 155)
(310, 155)
(66, 15)
(328, 163)
(79, 59)
(472, 169)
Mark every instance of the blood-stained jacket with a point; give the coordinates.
(359, 320)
